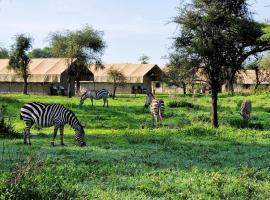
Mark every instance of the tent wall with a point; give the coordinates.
(33, 88)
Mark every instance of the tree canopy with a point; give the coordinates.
(41, 53)
(4, 53)
(144, 59)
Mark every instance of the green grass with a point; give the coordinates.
(126, 158)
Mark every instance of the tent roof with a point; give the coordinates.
(133, 72)
(40, 70)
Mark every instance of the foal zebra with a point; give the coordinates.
(47, 115)
(157, 108)
(96, 94)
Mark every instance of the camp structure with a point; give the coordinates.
(47, 76)
(140, 78)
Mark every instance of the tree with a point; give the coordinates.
(118, 79)
(18, 58)
(79, 48)
(261, 68)
(3, 53)
(144, 59)
(243, 45)
(41, 53)
(207, 31)
(180, 71)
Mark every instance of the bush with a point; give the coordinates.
(180, 104)
(240, 123)
(6, 128)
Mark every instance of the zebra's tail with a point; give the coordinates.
(21, 116)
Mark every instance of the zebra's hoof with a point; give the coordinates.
(63, 144)
(83, 144)
(24, 142)
(30, 143)
(52, 143)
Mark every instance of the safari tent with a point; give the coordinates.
(140, 77)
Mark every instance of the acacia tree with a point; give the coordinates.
(251, 39)
(144, 59)
(261, 68)
(180, 71)
(207, 31)
(18, 58)
(3, 53)
(79, 48)
(118, 79)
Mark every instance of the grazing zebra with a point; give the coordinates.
(246, 110)
(96, 94)
(47, 115)
(157, 108)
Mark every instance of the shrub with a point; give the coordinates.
(180, 104)
(6, 127)
(240, 123)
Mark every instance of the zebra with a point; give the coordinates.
(157, 108)
(95, 94)
(246, 110)
(47, 115)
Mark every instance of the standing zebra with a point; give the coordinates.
(157, 108)
(96, 94)
(47, 115)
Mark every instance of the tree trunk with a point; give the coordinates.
(257, 79)
(25, 85)
(69, 87)
(231, 86)
(78, 86)
(184, 88)
(214, 96)
(114, 90)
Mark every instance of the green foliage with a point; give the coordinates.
(3, 53)
(179, 104)
(144, 59)
(84, 45)
(41, 53)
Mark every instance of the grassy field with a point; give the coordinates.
(126, 158)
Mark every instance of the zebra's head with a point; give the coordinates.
(148, 100)
(83, 97)
(79, 135)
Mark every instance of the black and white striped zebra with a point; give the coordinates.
(47, 115)
(157, 108)
(96, 94)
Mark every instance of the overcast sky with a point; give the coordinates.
(131, 27)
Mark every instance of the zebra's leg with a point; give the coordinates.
(153, 119)
(54, 134)
(107, 103)
(24, 136)
(92, 102)
(104, 101)
(62, 135)
(29, 124)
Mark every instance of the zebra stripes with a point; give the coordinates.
(96, 94)
(157, 108)
(47, 115)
